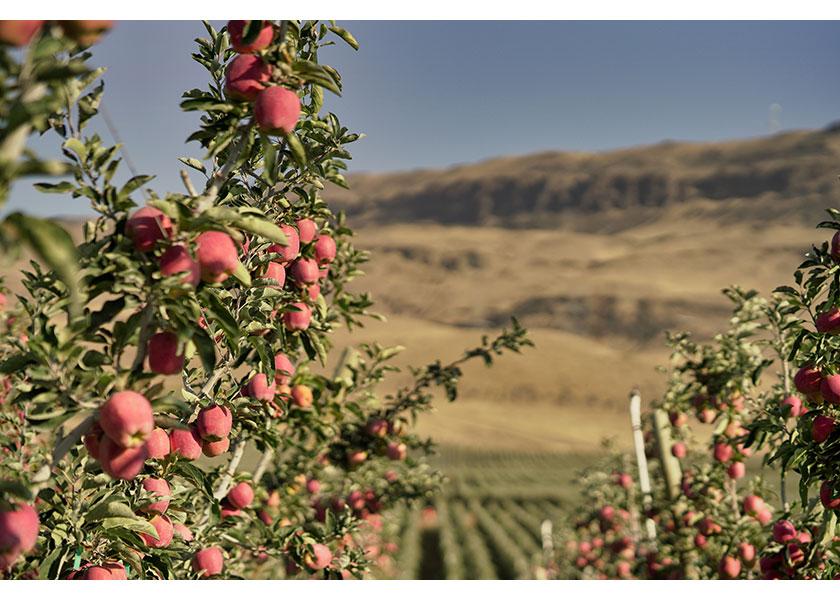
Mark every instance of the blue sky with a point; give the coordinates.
(437, 93)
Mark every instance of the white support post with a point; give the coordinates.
(641, 459)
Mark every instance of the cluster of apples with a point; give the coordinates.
(783, 558)
(21, 33)
(249, 78)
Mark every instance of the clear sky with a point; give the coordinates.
(432, 94)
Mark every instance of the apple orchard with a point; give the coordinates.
(189, 330)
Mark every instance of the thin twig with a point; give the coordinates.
(143, 338)
(265, 460)
(185, 177)
(224, 483)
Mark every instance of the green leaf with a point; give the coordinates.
(55, 188)
(206, 350)
(262, 228)
(109, 509)
(76, 146)
(298, 151)
(54, 246)
(241, 274)
(345, 35)
(131, 523)
(193, 163)
(312, 72)
(134, 183)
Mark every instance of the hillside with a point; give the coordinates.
(783, 176)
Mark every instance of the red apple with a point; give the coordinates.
(177, 259)
(127, 418)
(784, 531)
(215, 448)
(829, 321)
(277, 110)
(185, 443)
(214, 422)
(277, 272)
(747, 552)
(308, 230)
(119, 462)
(108, 571)
(320, 558)
(18, 33)
(305, 271)
(325, 250)
(284, 369)
(828, 498)
(85, 33)
(396, 451)
(159, 487)
(246, 76)
(822, 428)
(163, 354)
(259, 388)
(736, 470)
(830, 389)
(290, 251)
(146, 226)
(730, 567)
(792, 406)
(302, 396)
(678, 450)
(158, 444)
(723, 452)
(263, 39)
(241, 495)
(217, 256)
(299, 319)
(163, 527)
(18, 533)
(807, 381)
(208, 562)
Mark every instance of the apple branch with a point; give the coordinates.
(227, 478)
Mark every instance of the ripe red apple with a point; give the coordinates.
(290, 251)
(182, 531)
(299, 319)
(313, 291)
(228, 511)
(807, 381)
(736, 470)
(356, 457)
(127, 418)
(747, 552)
(678, 419)
(214, 422)
(764, 516)
(377, 427)
(85, 33)
(829, 499)
(792, 406)
(835, 246)
(241, 495)
(119, 462)
(822, 428)
(215, 448)
(158, 444)
(678, 450)
(163, 527)
(146, 226)
(305, 270)
(707, 415)
(783, 531)
(246, 76)
(313, 486)
(277, 110)
(163, 354)
(753, 504)
(723, 452)
(795, 554)
(18, 533)
(217, 256)
(302, 396)
(259, 388)
(700, 541)
(277, 272)
(208, 562)
(159, 487)
(320, 558)
(828, 321)
(18, 33)
(284, 370)
(185, 443)
(707, 526)
(730, 567)
(830, 389)
(397, 451)
(108, 571)
(325, 250)
(236, 30)
(624, 480)
(177, 259)
(308, 230)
